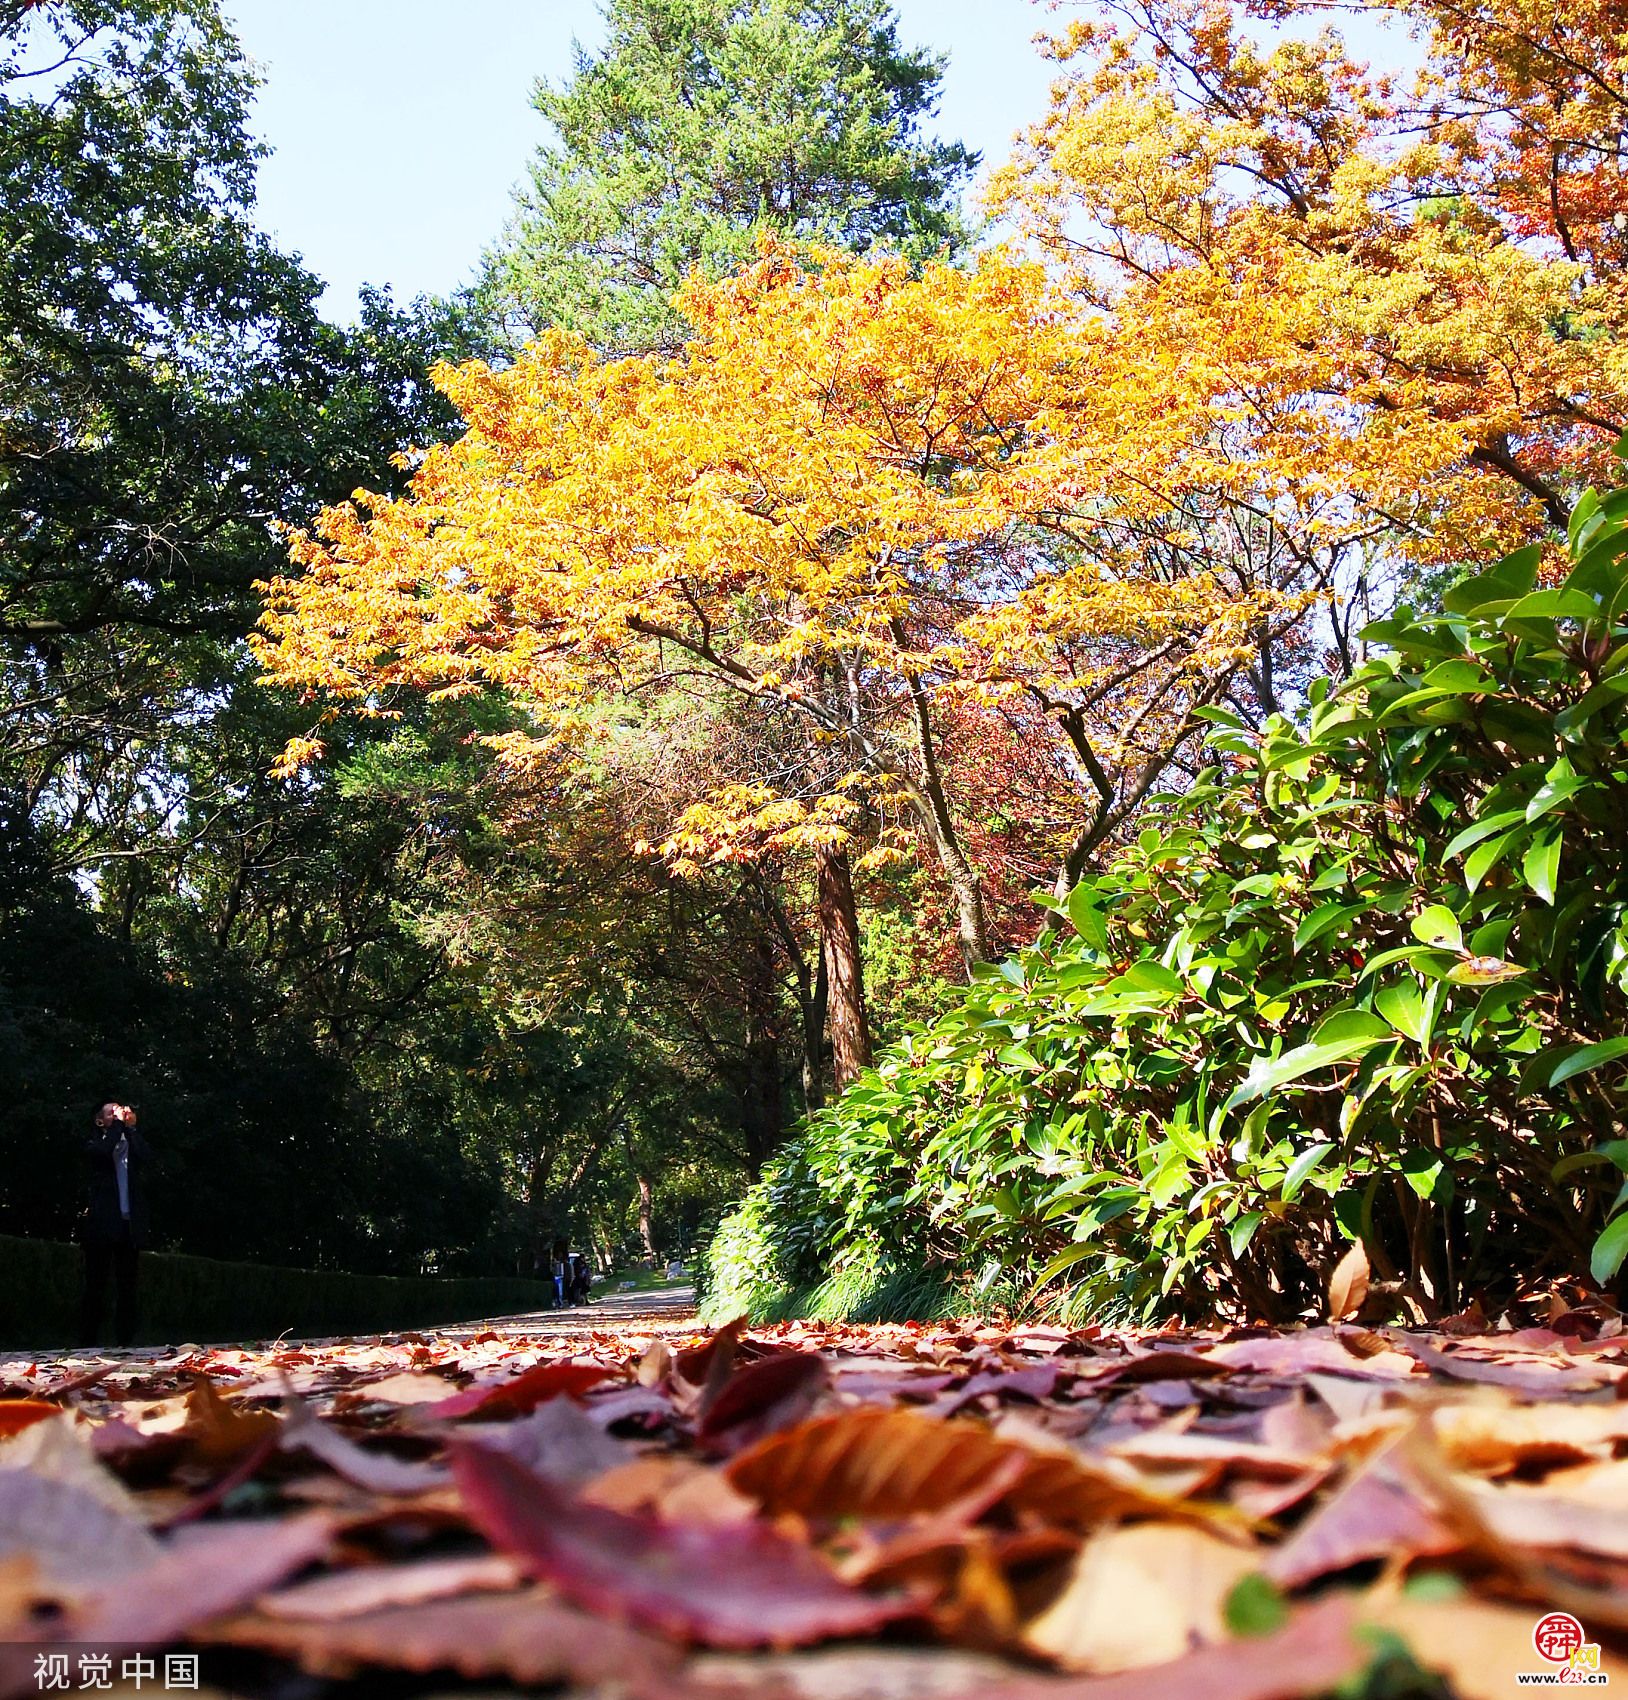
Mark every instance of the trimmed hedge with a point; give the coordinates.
(201, 1299)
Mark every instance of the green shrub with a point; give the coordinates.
(201, 1300)
(1365, 979)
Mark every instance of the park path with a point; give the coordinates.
(657, 1310)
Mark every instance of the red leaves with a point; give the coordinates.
(764, 1396)
(732, 1585)
(1097, 1514)
(524, 1393)
(18, 1414)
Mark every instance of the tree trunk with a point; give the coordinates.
(762, 1107)
(645, 1238)
(839, 943)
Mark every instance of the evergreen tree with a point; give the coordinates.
(703, 123)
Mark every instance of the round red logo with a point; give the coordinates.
(1557, 1636)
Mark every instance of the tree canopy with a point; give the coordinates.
(699, 126)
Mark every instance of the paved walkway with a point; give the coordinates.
(656, 1310)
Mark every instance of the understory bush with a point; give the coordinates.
(1364, 980)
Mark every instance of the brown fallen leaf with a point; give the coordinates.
(1348, 1285)
(62, 1449)
(1141, 1595)
(1476, 1645)
(1532, 1518)
(558, 1440)
(882, 1464)
(528, 1638)
(732, 1585)
(378, 1472)
(676, 1490)
(1544, 1379)
(1322, 1352)
(217, 1431)
(215, 1571)
(372, 1587)
(410, 1387)
(1495, 1437)
(1314, 1652)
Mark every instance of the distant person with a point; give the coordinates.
(115, 1222)
(559, 1267)
(578, 1279)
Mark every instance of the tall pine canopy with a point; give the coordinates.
(699, 126)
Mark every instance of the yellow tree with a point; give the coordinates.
(1430, 272)
(855, 493)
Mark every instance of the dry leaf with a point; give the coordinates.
(218, 1432)
(1348, 1285)
(1141, 1595)
(732, 1585)
(349, 1593)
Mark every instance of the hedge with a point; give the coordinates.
(200, 1299)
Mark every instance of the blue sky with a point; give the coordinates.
(400, 126)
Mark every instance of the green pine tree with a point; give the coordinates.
(701, 124)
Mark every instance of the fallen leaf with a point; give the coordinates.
(761, 1397)
(1348, 1285)
(1380, 1511)
(18, 1414)
(364, 1588)
(1477, 1646)
(739, 1585)
(883, 1464)
(527, 1638)
(677, 1490)
(1494, 1438)
(78, 1543)
(220, 1567)
(61, 1450)
(558, 1440)
(1300, 1354)
(217, 1431)
(378, 1472)
(1313, 1653)
(1141, 1595)
(524, 1393)
(411, 1387)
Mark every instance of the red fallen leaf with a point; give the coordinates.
(1380, 1512)
(764, 1396)
(217, 1569)
(1302, 1354)
(698, 1374)
(524, 1393)
(1520, 1378)
(18, 1414)
(729, 1585)
(1162, 1365)
(1034, 1381)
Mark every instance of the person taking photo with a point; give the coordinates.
(115, 1221)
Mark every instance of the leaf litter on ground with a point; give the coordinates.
(829, 1512)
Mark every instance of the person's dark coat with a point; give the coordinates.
(104, 1224)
